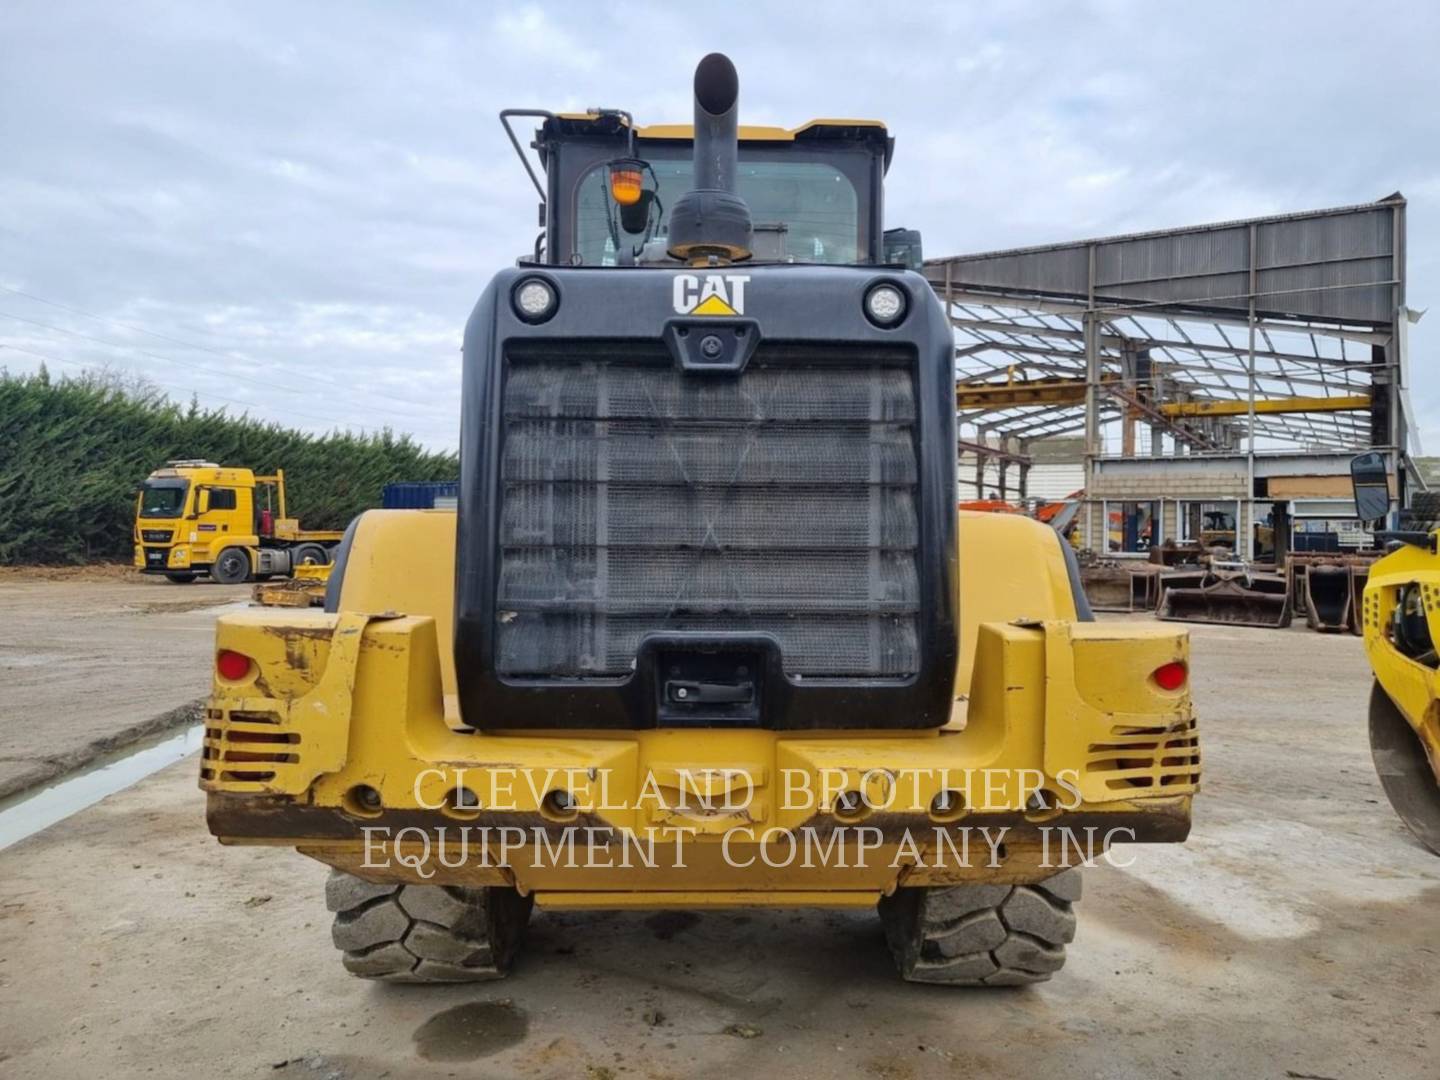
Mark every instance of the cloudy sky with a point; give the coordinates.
(291, 208)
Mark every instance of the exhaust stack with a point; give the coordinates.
(710, 221)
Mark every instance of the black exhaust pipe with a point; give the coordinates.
(710, 222)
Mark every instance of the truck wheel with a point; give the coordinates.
(231, 567)
(181, 578)
(309, 555)
(425, 933)
(982, 935)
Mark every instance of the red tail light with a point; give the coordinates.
(232, 665)
(1170, 676)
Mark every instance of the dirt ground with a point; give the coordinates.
(1297, 934)
(91, 658)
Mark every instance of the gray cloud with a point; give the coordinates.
(319, 192)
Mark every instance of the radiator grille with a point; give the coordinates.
(636, 498)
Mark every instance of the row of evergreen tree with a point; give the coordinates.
(74, 451)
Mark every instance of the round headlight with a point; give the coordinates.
(885, 305)
(534, 300)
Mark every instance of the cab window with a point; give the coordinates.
(815, 203)
(222, 498)
(163, 498)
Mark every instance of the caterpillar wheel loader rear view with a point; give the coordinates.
(1401, 625)
(708, 630)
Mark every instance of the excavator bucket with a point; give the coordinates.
(1180, 579)
(1359, 577)
(1406, 772)
(1111, 587)
(1228, 599)
(1107, 588)
(1330, 597)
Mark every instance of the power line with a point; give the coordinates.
(247, 405)
(32, 352)
(165, 360)
(222, 353)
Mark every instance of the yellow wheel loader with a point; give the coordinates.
(1401, 626)
(707, 630)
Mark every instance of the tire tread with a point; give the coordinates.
(982, 935)
(424, 933)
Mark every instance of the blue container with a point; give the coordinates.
(419, 495)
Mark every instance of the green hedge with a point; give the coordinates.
(74, 451)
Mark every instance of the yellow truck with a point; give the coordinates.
(196, 517)
(707, 629)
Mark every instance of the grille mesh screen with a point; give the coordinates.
(636, 498)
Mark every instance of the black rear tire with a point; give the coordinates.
(181, 579)
(425, 933)
(982, 935)
(231, 567)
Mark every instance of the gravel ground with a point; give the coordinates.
(93, 659)
(1295, 935)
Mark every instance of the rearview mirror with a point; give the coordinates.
(202, 501)
(903, 248)
(1370, 480)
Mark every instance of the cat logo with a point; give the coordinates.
(714, 294)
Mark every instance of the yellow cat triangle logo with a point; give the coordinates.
(715, 294)
(713, 306)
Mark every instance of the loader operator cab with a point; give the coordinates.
(815, 192)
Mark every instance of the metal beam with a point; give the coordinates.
(1029, 392)
(1018, 299)
(1242, 407)
(984, 451)
(1145, 341)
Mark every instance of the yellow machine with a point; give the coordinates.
(1401, 626)
(707, 630)
(196, 517)
(1400, 621)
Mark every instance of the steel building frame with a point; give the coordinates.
(1268, 335)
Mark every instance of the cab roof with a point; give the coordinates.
(581, 125)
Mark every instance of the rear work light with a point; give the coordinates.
(1170, 676)
(232, 665)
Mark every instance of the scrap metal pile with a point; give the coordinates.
(1187, 584)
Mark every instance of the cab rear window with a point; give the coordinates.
(812, 205)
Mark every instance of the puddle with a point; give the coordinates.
(24, 660)
(55, 803)
(471, 1031)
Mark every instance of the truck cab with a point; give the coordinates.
(196, 517)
